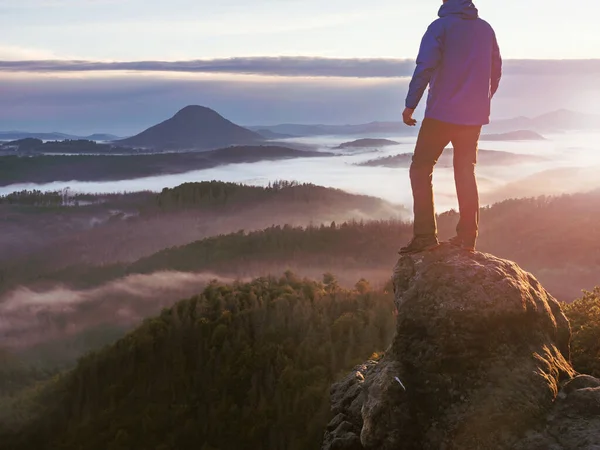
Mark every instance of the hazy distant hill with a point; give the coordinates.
(362, 143)
(324, 130)
(18, 135)
(521, 135)
(33, 146)
(291, 130)
(486, 157)
(101, 137)
(556, 181)
(373, 246)
(268, 134)
(195, 136)
(40, 236)
(193, 128)
(556, 121)
(107, 167)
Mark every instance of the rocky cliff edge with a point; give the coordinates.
(480, 360)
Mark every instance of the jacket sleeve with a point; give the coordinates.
(430, 56)
(496, 67)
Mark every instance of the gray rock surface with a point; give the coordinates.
(479, 361)
(573, 422)
(347, 398)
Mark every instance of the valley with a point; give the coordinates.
(213, 235)
(102, 241)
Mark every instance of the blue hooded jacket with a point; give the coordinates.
(460, 60)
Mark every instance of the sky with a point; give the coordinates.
(197, 29)
(341, 58)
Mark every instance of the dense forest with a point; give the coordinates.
(17, 374)
(41, 237)
(193, 195)
(240, 254)
(584, 315)
(34, 198)
(257, 358)
(66, 199)
(213, 194)
(529, 231)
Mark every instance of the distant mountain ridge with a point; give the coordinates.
(107, 167)
(486, 157)
(268, 134)
(54, 136)
(193, 128)
(552, 122)
(298, 130)
(521, 135)
(556, 121)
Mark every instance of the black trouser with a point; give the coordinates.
(434, 136)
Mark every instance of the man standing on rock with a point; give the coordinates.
(460, 60)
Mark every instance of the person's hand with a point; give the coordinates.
(407, 117)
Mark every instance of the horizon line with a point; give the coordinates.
(268, 125)
(289, 66)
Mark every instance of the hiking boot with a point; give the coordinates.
(420, 244)
(464, 243)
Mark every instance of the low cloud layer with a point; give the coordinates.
(28, 317)
(88, 97)
(275, 66)
(293, 66)
(128, 103)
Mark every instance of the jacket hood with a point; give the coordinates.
(463, 8)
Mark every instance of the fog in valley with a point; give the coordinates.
(567, 163)
(563, 163)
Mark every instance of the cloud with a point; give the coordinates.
(59, 96)
(28, 317)
(292, 66)
(278, 66)
(53, 3)
(128, 103)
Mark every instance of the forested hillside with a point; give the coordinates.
(584, 315)
(41, 234)
(553, 237)
(244, 366)
(257, 358)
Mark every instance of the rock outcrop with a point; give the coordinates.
(343, 432)
(480, 360)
